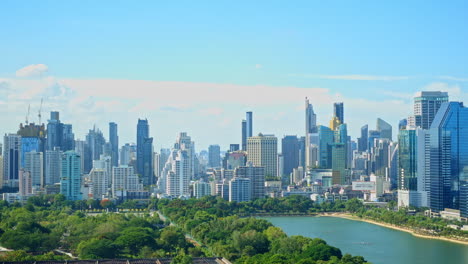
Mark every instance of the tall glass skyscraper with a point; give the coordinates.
(338, 111)
(145, 153)
(114, 142)
(70, 180)
(290, 152)
(449, 159)
(363, 140)
(384, 128)
(426, 105)
(249, 124)
(244, 135)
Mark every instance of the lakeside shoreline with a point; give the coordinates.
(399, 228)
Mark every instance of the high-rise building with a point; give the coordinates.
(100, 179)
(311, 128)
(449, 159)
(80, 147)
(256, 174)
(384, 128)
(70, 180)
(402, 124)
(234, 147)
(114, 143)
(244, 135)
(338, 112)
(94, 148)
(124, 179)
(127, 154)
(175, 175)
(426, 105)
(240, 190)
(11, 159)
(59, 134)
(235, 159)
(363, 141)
(32, 139)
(145, 153)
(290, 152)
(214, 156)
(373, 135)
(334, 123)
(326, 138)
(184, 142)
(53, 166)
(249, 124)
(25, 183)
(338, 163)
(34, 163)
(201, 189)
(262, 150)
(407, 163)
(1, 170)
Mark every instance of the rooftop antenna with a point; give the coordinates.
(27, 115)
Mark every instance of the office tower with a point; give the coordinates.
(54, 131)
(70, 179)
(338, 163)
(53, 166)
(449, 159)
(105, 163)
(240, 190)
(94, 148)
(407, 164)
(302, 150)
(59, 134)
(25, 183)
(262, 150)
(126, 154)
(32, 139)
(290, 151)
(157, 165)
(244, 135)
(373, 135)
(80, 147)
(163, 156)
(402, 124)
(148, 169)
(100, 179)
(338, 112)
(176, 174)
(124, 179)
(311, 128)
(334, 123)
(426, 105)
(326, 138)
(249, 124)
(201, 189)
(68, 138)
(114, 143)
(393, 165)
(256, 174)
(363, 141)
(11, 159)
(214, 156)
(142, 134)
(234, 147)
(381, 157)
(280, 164)
(34, 163)
(384, 128)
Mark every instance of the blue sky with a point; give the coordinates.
(190, 65)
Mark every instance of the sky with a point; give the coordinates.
(198, 66)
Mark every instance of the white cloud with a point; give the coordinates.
(353, 77)
(451, 78)
(33, 70)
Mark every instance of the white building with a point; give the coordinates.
(25, 183)
(262, 150)
(53, 166)
(124, 179)
(177, 174)
(201, 189)
(100, 180)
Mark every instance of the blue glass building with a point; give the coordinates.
(145, 166)
(326, 139)
(70, 180)
(449, 159)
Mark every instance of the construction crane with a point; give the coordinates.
(27, 115)
(40, 109)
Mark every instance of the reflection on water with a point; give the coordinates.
(376, 244)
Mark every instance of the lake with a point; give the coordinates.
(377, 244)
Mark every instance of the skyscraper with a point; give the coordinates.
(53, 166)
(124, 179)
(11, 159)
(244, 135)
(338, 112)
(100, 180)
(256, 174)
(426, 105)
(240, 190)
(363, 141)
(175, 175)
(384, 128)
(290, 152)
(262, 150)
(114, 142)
(59, 134)
(145, 153)
(34, 163)
(214, 156)
(326, 138)
(249, 124)
(70, 180)
(311, 128)
(449, 159)
(94, 148)
(32, 139)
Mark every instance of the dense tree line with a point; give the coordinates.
(214, 223)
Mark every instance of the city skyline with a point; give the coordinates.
(142, 62)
